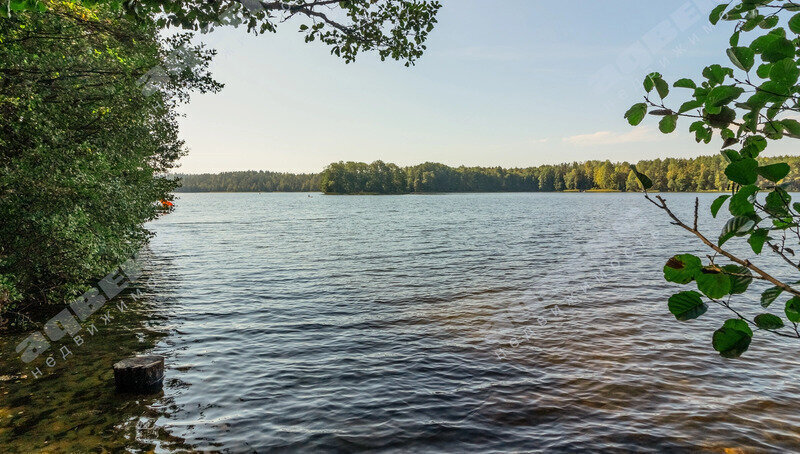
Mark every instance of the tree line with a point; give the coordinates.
(704, 173)
(249, 181)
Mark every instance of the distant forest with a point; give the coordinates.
(704, 173)
(250, 181)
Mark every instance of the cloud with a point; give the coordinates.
(637, 135)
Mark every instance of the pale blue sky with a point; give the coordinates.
(513, 83)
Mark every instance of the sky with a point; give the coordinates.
(512, 83)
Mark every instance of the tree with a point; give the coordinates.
(396, 29)
(88, 130)
(747, 105)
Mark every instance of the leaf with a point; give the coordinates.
(722, 119)
(689, 105)
(742, 202)
(681, 269)
(777, 203)
(646, 182)
(686, 305)
(716, 74)
(773, 47)
(792, 126)
(668, 124)
(757, 240)
(770, 295)
(636, 113)
(785, 72)
(685, 83)
(742, 279)
(793, 310)
(723, 95)
(735, 226)
(768, 321)
(758, 142)
(661, 112)
(717, 204)
(774, 172)
(742, 57)
(716, 13)
(733, 338)
(662, 87)
(794, 24)
(713, 283)
(743, 172)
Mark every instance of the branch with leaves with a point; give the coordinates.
(396, 29)
(748, 105)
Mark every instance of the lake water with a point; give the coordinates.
(458, 323)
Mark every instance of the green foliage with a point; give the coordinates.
(681, 269)
(747, 105)
(249, 181)
(396, 29)
(733, 338)
(687, 305)
(84, 150)
(768, 321)
(88, 97)
(705, 173)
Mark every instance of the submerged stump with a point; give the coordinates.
(140, 374)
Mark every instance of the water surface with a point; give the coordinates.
(461, 322)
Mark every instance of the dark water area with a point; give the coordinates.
(438, 323)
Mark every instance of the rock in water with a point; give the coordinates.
(141, 374)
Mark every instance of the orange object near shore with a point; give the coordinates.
(167, 203)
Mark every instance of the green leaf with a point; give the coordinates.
(757, 141)
(689, 105)
(773, 47)
(716, 74)
(662, 87)
(649, 82)
(768, 321)
(723, 95)
(733, 338)
(681, 269)
(713, 283)
(738, 225)
(777, 203)
(743, 172)
(722, 119)
(791, 126)
(742, 202)
(794, 24)
(636, 113)
(685, 83)
(716, 13)
(742, 57)
(646, 182)
(774, 172)
(740, 276)
(687, 305)
(717, 204)
(785, 72)
(793, 310)
(770, 295)
(668, 124)
(757, 240)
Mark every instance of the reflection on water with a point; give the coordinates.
(72, 406)
(441, 323)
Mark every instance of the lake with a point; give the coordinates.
(452, 323)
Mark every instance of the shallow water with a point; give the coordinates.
(463, 322)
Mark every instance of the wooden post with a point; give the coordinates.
(141, 374)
